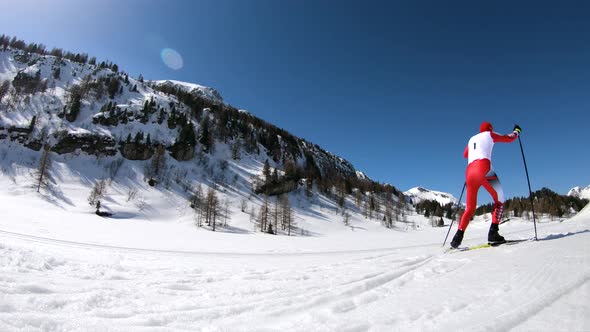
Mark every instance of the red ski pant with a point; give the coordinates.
(479, 173)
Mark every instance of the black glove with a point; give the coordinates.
(517, 129)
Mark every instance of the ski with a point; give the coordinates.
(487, 245)
(510, 242)
(462, 248)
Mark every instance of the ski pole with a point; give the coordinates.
(453, 219)
(530, 191)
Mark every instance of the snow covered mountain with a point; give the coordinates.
(580, 192)
(418, 194)
(65, 103)
(98, 123)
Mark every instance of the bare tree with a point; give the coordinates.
(287, 215)
(197, 203)
(43, 168)
(346, 217)
(275, 215)
(97, 194)
(253, 216)
(358, 198)
(197, 197)
(211, 208)
(263, 214)
(244, 205)
(400, 207)
(226, 211)
(388, 217)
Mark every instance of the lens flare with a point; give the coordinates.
(171, 58)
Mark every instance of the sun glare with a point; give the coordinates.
(171, 58)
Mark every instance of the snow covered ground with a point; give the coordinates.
(68, 270)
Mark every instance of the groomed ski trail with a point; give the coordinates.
(45, 282)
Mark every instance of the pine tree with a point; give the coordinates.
(205, 136)
(187, 134)
(75, 106)
(161, 116)
(113, 87)
(57, 73)
(172, 119)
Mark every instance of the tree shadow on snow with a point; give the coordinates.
(123, 215)
(54, 196)
(559, 236)
(232, 230)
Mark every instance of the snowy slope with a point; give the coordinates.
(419, 194)
(580, 192)
(199, 90)
(74, 271)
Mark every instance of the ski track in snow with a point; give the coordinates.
(49, 284)
(122, 289)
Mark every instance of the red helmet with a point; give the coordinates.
(485, 126)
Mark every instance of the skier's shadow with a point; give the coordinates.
(559, 236)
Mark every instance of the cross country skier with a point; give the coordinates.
(480, 173)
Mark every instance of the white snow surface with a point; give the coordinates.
(580, 192)
(62, 268)
(418, 194)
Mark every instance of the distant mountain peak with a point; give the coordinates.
(195, 89)
(580, 192)
(418, 194)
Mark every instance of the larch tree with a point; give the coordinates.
(211, 208)
(287, 215)
(263, 214)
(97, 194)
(42, 174)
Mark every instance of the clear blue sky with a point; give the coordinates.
(395, 87)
